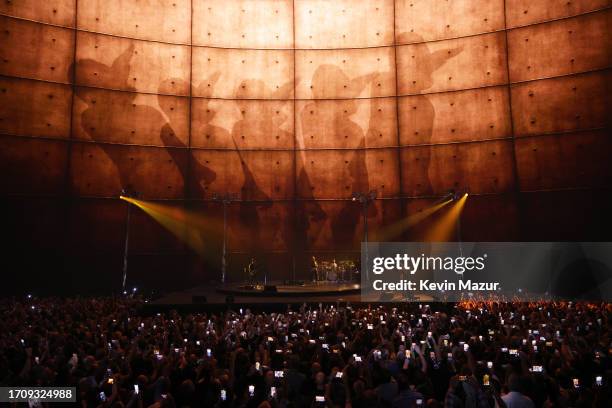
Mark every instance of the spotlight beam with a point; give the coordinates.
(188, 226)
(442, 230)
(394, 230)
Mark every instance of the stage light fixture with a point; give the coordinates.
(225, 200)
(365, 199)
(127, 195)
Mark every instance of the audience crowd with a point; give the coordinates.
(118, 353)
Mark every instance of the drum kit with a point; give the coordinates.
(332, 271)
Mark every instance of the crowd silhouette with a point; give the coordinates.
(117, 353)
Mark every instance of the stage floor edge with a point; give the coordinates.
(215, 296)
(284, 289)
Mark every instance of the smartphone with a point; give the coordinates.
(513, 352)
(462, 378)
(537, 369)
(257, 365)
(419, 402)
(598, 381)
(36, 360)
(466, 347)
(272, 392)
(111, 380)
(319, 398)
(358, 359)
(485, 380)
(339, 374)
(223, 395)
(251, 390)
(576, 382)
(449, 356)
(208, 352)
(136, 389)
(279, 374)
(407, 353)
(102, 396)
(489, 364)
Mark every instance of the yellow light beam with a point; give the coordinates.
(189, 226)
(394, 230)
(446, 225)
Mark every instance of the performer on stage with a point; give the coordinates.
(252, 270)
(333, 275)
(314, 269)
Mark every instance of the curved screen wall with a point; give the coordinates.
(296, 104)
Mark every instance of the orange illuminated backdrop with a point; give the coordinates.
(294, 105)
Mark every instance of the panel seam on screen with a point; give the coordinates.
(499, 85)
(222, 149)
(189, 177)
(403, 210)
(280, 200)
(586, 13)
(517, 181)
(295, 136)
(73, 87)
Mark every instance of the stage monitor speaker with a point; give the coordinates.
(198, 299)
(270, 289)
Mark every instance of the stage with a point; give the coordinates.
(273, 296)
(242, 294)
(285, 288)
